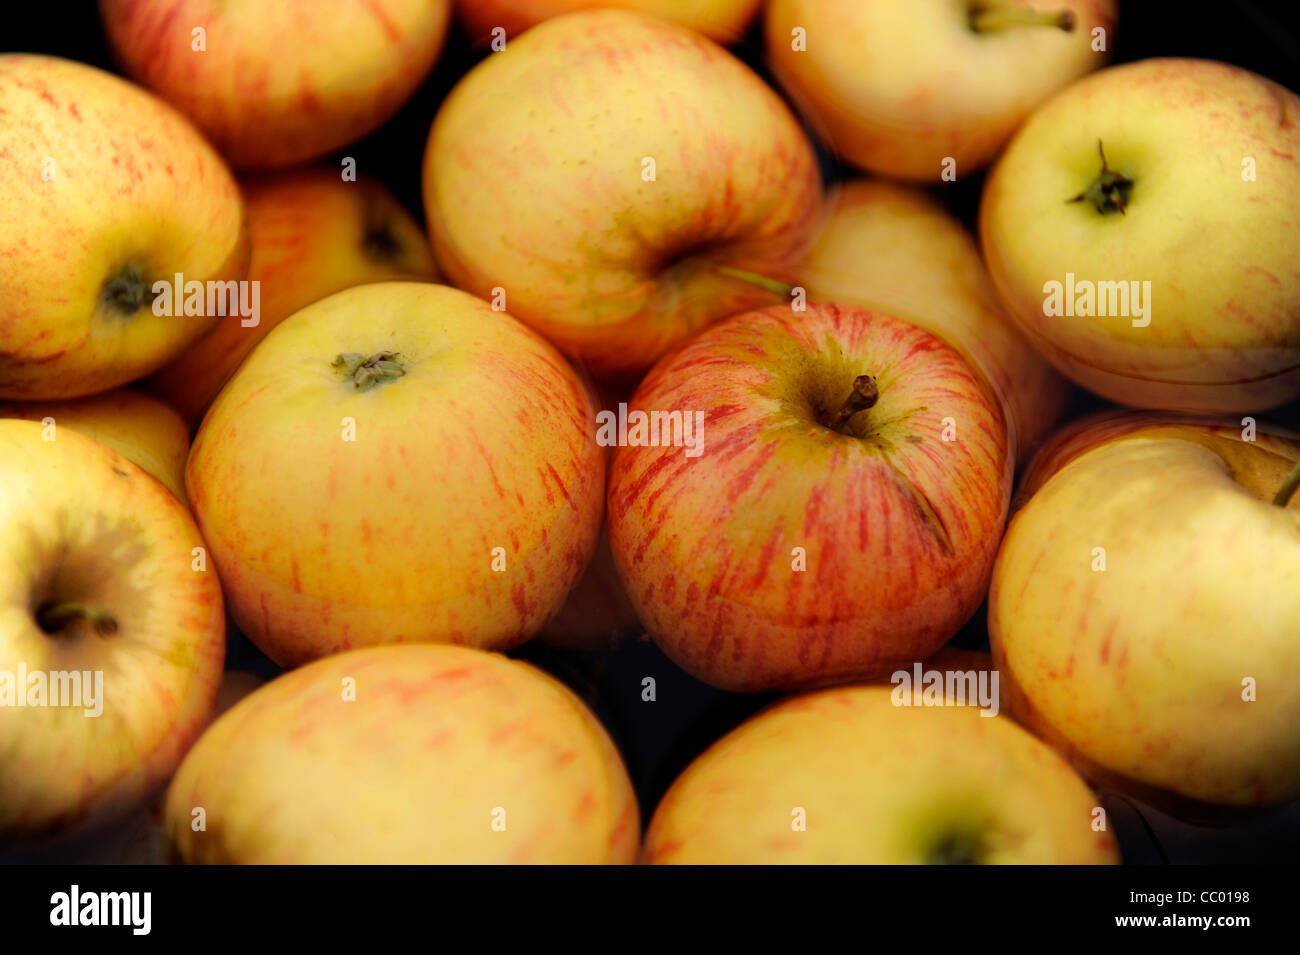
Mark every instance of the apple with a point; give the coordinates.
(1173, 182)
(721, 20)
(894, 248)
(313, 235)
(412, 754)
(397, 462)
(844, 776)
(828, 527)
(620, 182)
(137, 426)
(597, 614)
(104, 191)
(102, 592)
(275, 84)
(926, 90)
(1144, 609)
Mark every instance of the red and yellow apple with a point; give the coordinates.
(137, 426)
(104, 191)
(415, 754)
(829, 527)
(930, 89)
(721, 20)
(100, 594)
(313, 235)
(1158, 268)
(394, 463)
(274, 84)
(1144, 610)
(622, 182)
(845, 776)
(895, 249)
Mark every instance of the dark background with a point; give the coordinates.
(659, 739)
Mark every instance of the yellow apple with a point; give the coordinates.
(620, 181)
(140, 428)
(1145, 614)
(1176, 285)
(723, 20)
(104, 191)
(398, 462)
(274, 84)
(102, 589)
(896, 249)
(312, 234)
(929, 89)
(845, 776)
(415, 754)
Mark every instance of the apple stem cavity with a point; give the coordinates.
(864, 395)
(128, 291)
(53, 617)
(1109, 192)
(368, 373)
(381, 244)
(993, 18)
(1288, 488)
(754, 278)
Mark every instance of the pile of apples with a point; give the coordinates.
(395, 467)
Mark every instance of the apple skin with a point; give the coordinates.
(137, 426)
(1136, 672)
(1224, 332)
(721, 20)
(134, 184)
(487, 441)
(411, 771)
(881, 785)
(81, 523)
(895, 249)
(898, 86)
(899, 526)
(313, 235)
(279, 83)
(533, 184)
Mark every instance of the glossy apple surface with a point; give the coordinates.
(1218, 249)
(801, 548)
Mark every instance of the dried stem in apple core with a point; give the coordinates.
(53, 617)
(1288, 488)
(990, 18)
(754, 278)
(367, 373)
(1109, 192)
(864, 395)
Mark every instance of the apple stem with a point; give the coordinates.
(368, 373)
(1288, 488)
(1109, 191)
(864, 395)
(988, 19)
(54, 617)
(754, 278)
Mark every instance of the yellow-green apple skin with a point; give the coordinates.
(457, 502)
(137, 426)
(537, 182)
(876, 783)
(900, 87)
(894, 248)
(1220, 249)
(104, 190)
(89, 536)
(795, 550)
(278, 84)
(721, 20)
(1145, 590)
(313, 234)
(443, 755)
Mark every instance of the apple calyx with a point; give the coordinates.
(127, 291)
(985, 17)
(1288, 488)
(53, 617)
(956, 848)
(1109, 192)
(380, 243)
(369, 373)
(754, 278)
(864, 395)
